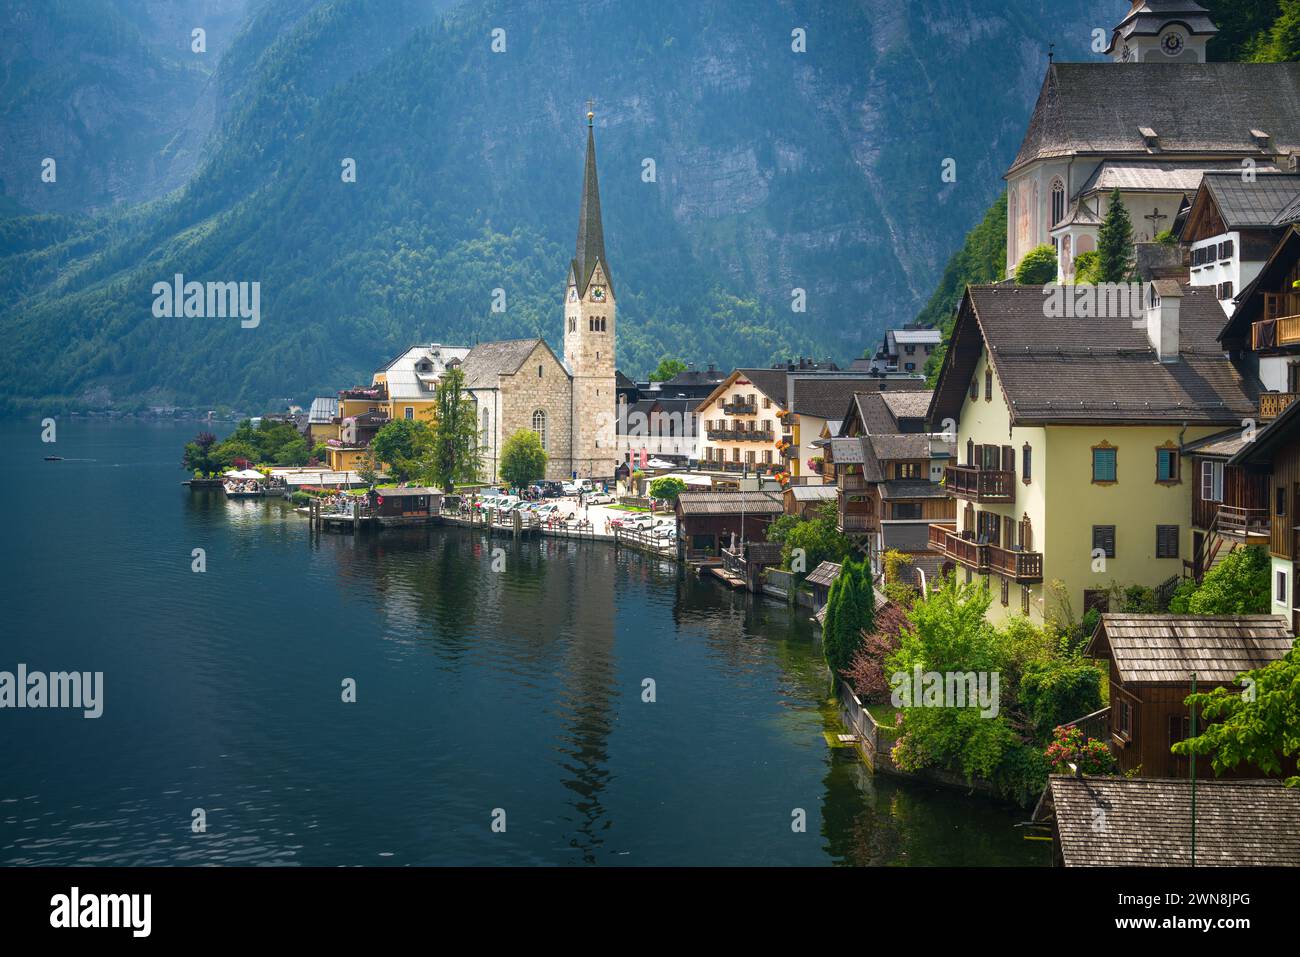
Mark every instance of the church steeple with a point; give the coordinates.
(590, 247)
(1162, 31)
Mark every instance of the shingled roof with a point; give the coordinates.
(1147, 822)
(1268, 200)
(487, 361)
(825, 397)
(1194, 108)
(730, 503)
(1167, 648)
(1055, 370)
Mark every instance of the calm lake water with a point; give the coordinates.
(476, 690)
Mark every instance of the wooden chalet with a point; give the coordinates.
(1147, 822)
(1229, 502)
(1273, 459)
(1264, 331)
(1151, 660)
(885, 467)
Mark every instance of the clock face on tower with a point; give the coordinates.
(597, 293)
(1172, 43)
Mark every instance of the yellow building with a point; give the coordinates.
(1068, 435)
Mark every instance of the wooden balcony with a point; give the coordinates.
(1280, 326)
(1273, 404)
(740, 408)
(740, 435)
(851, 483)
(945, 540)
(857, 522)
(1022, 567)
(984, 486)
(1243, 524)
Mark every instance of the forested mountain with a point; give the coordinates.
(774, 170)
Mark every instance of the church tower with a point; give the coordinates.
(589, 325)
(1162, 31)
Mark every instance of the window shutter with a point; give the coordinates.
(1103, 537)
(1008, 459)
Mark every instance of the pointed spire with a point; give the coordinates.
(591, 235)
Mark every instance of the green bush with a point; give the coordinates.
(1038, 267)
(1053, 693)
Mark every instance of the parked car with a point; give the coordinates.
(600, 498)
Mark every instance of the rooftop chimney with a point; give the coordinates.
(1164, 299)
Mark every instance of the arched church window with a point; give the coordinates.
(1058, 201)
(539, 426)
(539, 370)
(487, 427)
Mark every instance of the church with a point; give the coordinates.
(568, 400)
(1151, 122)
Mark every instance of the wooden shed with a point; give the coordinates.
(706, 521)
(1147, 822)
(405, 506)
(1151, 660)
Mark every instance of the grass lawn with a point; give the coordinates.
(886, 715)
(629, 508)
(362, 491)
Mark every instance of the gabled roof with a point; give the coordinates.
(770, 382)
(1262, 203)
(404, 378)
(487, 361)
(907, 405)
(1055, 370)
(824, 574)
(825, 397)
(913, 337)
(1148, 822)
(1194, 109)
(1167, 648)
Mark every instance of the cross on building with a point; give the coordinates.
(1156, 219)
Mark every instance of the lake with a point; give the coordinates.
(481, 694)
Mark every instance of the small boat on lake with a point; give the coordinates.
(54, 458)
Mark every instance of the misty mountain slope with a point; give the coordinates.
(774, 170)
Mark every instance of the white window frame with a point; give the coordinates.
(1211, 481)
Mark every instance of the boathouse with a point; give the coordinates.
(707, 521)
(405, 506)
